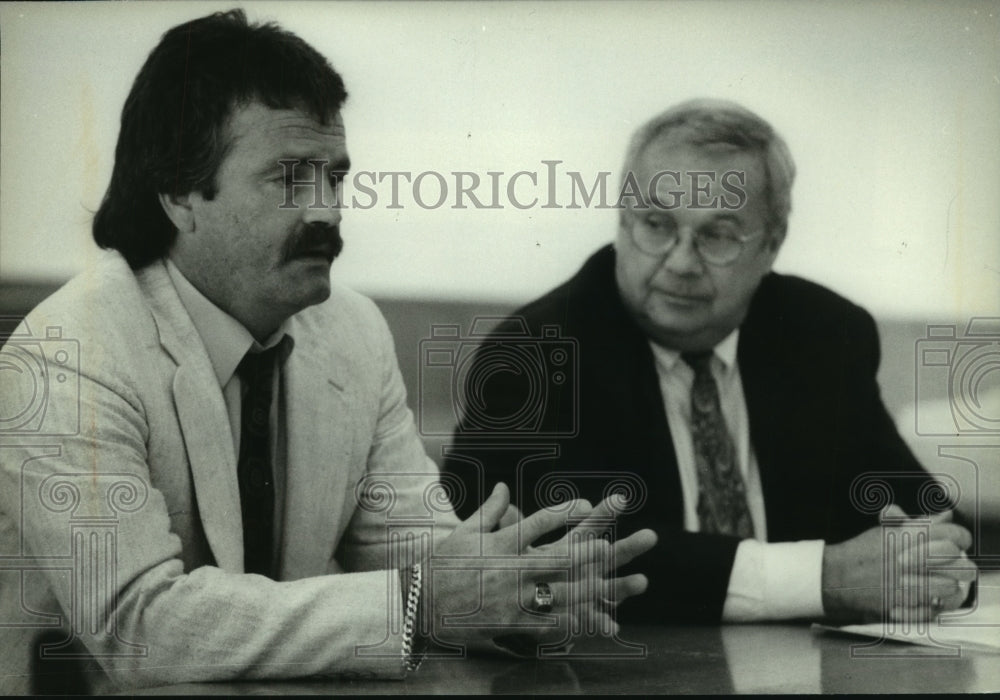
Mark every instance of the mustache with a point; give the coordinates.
(312, 239)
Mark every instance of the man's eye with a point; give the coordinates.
(659, 223)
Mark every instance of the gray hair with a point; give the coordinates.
(708, 122)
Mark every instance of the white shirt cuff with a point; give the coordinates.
(775, 581)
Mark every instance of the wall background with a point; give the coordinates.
(891, 109)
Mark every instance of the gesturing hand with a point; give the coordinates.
(482, 584)
(927, 581)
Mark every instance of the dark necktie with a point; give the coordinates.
(256, 477)
(722, 502)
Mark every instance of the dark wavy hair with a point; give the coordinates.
(173, 132)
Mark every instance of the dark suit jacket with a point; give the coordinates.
(808, 360)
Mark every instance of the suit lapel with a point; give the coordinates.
(204, 421)
(320, 429)
(611, 339)
(764, 376)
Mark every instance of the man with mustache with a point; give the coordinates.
(739, 406)
(229, 456)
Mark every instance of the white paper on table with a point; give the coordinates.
(977, 630)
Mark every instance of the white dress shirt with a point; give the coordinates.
(226, 343)
(769, 581)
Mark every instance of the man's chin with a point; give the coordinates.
(313, 286)
(319, 293)
(676, 328)
(678, 314)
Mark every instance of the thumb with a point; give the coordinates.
(489, 514)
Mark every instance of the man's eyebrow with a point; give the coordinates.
(338, 165)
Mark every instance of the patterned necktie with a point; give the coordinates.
(722, 502)
(256, 477)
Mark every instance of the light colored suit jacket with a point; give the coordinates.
(120, 504)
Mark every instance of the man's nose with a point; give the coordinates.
(326, 208)
(683, 258)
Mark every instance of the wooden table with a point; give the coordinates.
(760, 658)
(683, 660)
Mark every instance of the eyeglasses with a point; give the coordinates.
(718, 243)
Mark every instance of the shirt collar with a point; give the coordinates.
(725, 351)
(226, 340)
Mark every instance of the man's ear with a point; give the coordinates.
(179, 210)
(775, 238)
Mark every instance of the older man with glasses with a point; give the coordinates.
(738, 407)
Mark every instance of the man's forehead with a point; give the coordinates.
(284, 125)
(673, 153)
(705, 168)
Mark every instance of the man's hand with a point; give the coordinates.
(490, 577)
(927, 583)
